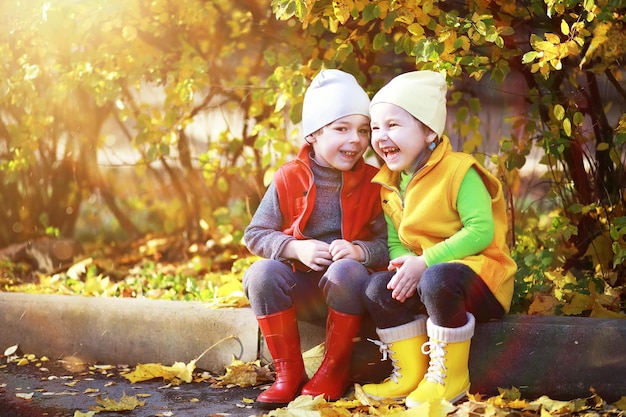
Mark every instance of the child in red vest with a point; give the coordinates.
(321, 231)
(447, 224)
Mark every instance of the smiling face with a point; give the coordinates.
(399, 138)
(341, 143)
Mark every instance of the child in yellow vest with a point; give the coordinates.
(447, 224)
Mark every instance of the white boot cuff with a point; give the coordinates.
(405, 331)
(449, 334)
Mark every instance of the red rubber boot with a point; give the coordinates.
(280, 331)
(333, 375)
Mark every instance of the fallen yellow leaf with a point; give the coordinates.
(302, 406)
(126, 403)
(79, 413)
(174, 374)
(433, 408)
(244, 374)
(557, 407)
(232, 287)
(543, 305)
(10, 350)
(313, 359)
(360, 395)
(621, 404)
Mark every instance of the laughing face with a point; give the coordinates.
(341, 143)
(399, 138)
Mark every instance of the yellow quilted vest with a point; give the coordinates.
(428, 214)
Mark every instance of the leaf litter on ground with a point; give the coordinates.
(508, 403)
(181, 372)
(358, 404)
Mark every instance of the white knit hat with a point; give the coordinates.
(332, 94)
(421, 93)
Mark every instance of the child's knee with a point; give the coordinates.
(345, 268)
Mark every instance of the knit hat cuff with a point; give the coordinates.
(406, 331)
(333, 94)
(420, 93)
(452, 335)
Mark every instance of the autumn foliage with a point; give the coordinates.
(136, 121)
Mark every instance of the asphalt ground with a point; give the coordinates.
(40, 388)
(60, 389)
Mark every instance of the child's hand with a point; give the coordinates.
(342, 249)
(409, 270)
(313, 253)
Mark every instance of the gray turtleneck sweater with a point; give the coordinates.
(264, 237)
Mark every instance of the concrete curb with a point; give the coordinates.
(126, 331)
(562, 357)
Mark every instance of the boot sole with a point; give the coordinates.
(267, 405)
(380, 398)
(270, 406)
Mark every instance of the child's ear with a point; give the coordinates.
(432, 136)
(310, 139)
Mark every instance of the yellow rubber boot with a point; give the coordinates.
(403, 345)
(448, 372)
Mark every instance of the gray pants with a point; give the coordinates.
(445, 293)
(273, 286)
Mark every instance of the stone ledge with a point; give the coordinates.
(125, 330)
(562, 357)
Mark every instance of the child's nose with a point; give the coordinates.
(379, 135)
(356, 136)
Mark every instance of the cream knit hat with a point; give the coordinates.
(421, 93)
(332, 94)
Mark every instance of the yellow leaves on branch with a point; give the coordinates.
(550, 52)
(607, 44)
(599, 305)
(342, 10)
